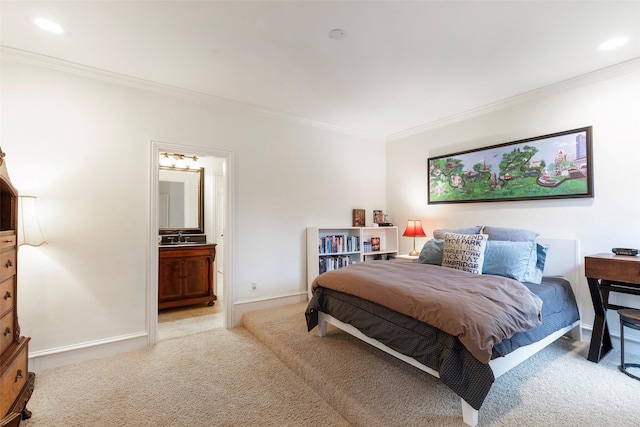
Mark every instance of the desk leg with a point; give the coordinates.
(600, 337)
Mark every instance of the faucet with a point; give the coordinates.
(179, 236)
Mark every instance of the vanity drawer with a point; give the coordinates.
(14, 375)
(6, 330)
(7, 241)
(7, 295)
(7, 264)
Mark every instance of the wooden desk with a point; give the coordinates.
(608, 273)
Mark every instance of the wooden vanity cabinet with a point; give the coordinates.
(186, 275)
(16, 383)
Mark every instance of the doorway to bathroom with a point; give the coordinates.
(179, 321)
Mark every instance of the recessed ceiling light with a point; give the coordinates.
(49, 25)
(613, 43)
(337, 34)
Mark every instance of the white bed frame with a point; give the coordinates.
(562, 260)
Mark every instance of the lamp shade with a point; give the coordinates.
(414, 229)
(29, 232)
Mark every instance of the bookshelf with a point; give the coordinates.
(330, 248)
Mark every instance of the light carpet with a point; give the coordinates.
(556, 387)
(213, 378)
(229, 378)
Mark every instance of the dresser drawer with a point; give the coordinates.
(7, 295)
(7, 264)
(6, 330)
(14, 377)
(7, 241)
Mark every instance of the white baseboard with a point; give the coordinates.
(60, 356)
(631, 342)
(39, 360)
(241, 307)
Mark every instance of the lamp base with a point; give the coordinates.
(414, 253)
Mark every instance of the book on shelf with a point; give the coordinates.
(373, 256)
(338, 244)
(334, 263)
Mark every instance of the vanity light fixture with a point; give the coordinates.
(178, 161)
(165, 161)
(29, 232)
(181, 163)
(194, 164)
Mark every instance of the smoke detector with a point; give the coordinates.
(337, 34)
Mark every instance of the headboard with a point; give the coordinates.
(563, 259)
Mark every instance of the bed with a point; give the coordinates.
(468, 368)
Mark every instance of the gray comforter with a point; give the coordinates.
(480, 310)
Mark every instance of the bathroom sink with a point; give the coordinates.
(182, 243)
(180, 239)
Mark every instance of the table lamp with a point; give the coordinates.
(414, 229)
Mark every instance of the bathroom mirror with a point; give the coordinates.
(181, 200)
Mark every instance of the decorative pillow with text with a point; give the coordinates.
(464, 251)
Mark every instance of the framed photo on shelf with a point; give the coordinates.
(554, 166)
(378, 217)
(375, 244)
(358, 218)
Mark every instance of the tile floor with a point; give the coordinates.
(180, 321)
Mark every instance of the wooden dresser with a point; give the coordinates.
(16, 383)
(185, 275)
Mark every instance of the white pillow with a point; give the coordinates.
(464, 251)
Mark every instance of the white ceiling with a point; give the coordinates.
(402, 65)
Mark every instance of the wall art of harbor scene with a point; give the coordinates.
(550, 166)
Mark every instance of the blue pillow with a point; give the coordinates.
(431, 252)
(439, 234)
(516, 260)
(541, 252)
(510, 234)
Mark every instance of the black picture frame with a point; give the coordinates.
(554, 166)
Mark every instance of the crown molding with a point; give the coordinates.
(36, 59)
(620, 69)
(53, 63)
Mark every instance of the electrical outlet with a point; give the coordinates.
(254, 286)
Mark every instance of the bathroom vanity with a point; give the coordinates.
(186, 274)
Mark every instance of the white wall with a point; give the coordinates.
(611, 219)
(82, 145)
